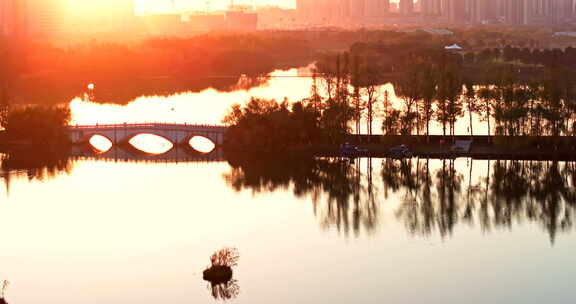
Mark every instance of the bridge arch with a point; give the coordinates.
(202, 145)
(127, 141)
(99, 147)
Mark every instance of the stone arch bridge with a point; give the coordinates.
(122, 133)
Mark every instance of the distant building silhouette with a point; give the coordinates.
(241, 21)
(406, 7)
(100, 16)
(514, 12)
(10, 17)
(31, 18)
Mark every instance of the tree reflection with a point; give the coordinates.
(434, 196)
(35, 165)
(515, 191)
(5, 284)
(224, 290)
(342, 195)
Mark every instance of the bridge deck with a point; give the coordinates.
(145, 125)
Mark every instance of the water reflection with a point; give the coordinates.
(5, 284)
(434, 196)
(514, 192)
(35, 165)
(181, 103)
(339, 196)
(224, 290)
(126, 153)
(46, 165)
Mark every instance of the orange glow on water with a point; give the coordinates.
(100, 143)
(202, 144)
(151, 144)
(206, 107)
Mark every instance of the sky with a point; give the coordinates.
(166, 5)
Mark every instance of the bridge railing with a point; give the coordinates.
(144, 125)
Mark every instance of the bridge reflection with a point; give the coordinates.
(178, 154)
(45, 166)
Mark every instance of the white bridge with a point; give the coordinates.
(122, 133)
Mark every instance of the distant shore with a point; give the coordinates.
(482, 147)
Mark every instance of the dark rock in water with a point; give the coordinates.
(217, 274)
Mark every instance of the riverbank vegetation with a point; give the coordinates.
(39, 126)
(263, 126)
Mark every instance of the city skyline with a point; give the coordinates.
(378, 12)
(143, 6)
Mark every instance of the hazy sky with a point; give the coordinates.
(165, 5)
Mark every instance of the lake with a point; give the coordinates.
(123, 227)
(316, 231)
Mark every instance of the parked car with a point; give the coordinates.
(350, 150)
(400, 151)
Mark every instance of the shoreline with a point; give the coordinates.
(562, 148)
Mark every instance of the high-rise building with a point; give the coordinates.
(376, 8)
(31, 18)
(516, 12)
(8, 17)
(430, 7)
(102, 16)
(241, 21)
(13, 18)
(519, 12)
(406, 7)
(386, 6)
(566, 9)
(357, 9)
(44, 18)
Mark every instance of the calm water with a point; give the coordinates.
(322, 231)
(124, 227)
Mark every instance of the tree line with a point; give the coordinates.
(43, 127)
(436, 88)
(545, 57)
